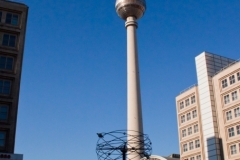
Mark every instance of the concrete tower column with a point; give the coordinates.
(134, 114)
(130, 11)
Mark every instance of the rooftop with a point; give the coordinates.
(171, 157)
(231, 64)
(185, 90)
(15, 1)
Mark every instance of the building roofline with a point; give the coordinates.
(185, 90)
(15, 1)
(229, 65)
(163, 158)
(218, 55)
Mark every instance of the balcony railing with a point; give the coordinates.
(194, 85)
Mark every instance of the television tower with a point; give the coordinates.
(131, 11)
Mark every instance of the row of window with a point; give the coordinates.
(187, 102)
(11, 18)
(188, 115)
(234, 96)
(231, 79)
(8, 40)
(198, 157)
(233, 149)
(5, 87)
(191, 145)
(6, 63)
(231, 131)
(236, 113)
(190, 130)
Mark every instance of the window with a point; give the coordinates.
(233, 149)
(199, 157)
(0, 16)
(229, 115)
(184, 133)
(9, 40)
(231, 132)
(234, 95)
(226, 99)
(5, 87)
(6, 63)
(238, 129)
(183, 119)
(232, 79)
(3, 112)
(185, 149)
(237, 112)
(187, 102)
(181, 105)
(2, 138)
(12, 19)
(192, 158)
(190, 145)
(194, 113)
(238, 75)
(188, 116)
(196, 128)
(224, 83)
(197, 143)
(189, 130)
(193, 99)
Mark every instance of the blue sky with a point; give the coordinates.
(74, 70)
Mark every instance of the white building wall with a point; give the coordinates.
(208, 65)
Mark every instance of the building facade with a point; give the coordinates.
(208, 113)
(13, 19)
(189, 125)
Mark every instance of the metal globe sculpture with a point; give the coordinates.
(130, 8)
(118, 145)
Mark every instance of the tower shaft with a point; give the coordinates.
(130, 11)
(134, 115)
(133, 82)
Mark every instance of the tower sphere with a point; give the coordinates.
(127, 8)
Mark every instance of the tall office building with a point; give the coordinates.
(13, 19)
(209, 113)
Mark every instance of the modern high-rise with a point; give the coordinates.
(13, 19)
(209, 113)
